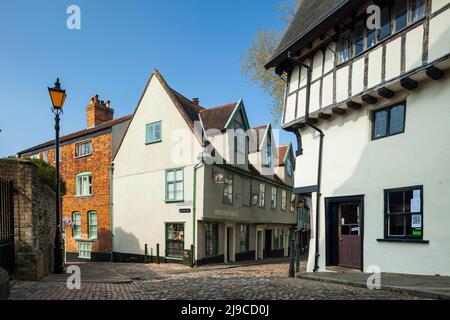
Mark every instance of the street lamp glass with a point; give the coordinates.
(57, 95)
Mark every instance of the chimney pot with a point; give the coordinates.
(196, 101)
(98, 112)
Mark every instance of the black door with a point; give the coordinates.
(7, 260)
(229, 243)
(267, 243)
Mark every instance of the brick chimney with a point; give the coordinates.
(196, 101)
(98, 112)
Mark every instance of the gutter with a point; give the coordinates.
(319, 164)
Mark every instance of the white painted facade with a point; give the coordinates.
(140, 207)
(354, 164)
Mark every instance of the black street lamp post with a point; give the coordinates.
(58, 97)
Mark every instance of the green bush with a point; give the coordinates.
(47, 175)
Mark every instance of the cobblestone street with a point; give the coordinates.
(168, 281)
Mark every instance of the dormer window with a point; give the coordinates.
(268, 155)
(289, 166)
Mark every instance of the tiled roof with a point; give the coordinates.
(78, 134)
(310, 14)
(217, 117)
(258, 134)
(282, 154)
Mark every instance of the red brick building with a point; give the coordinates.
(85, 164)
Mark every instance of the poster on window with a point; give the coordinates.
(416, 202)
(416, 221)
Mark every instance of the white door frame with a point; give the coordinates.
(259, 253)
(233, 242)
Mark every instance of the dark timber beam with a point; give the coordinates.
(313, 120)
(435, 73)
(409, 83)
(354, 105)
(337, 110)
(367, 98)
(386, 93)
(324, 116)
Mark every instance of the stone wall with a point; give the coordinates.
(34, 219)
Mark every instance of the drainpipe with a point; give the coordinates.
(111, 175)
(194, 205)
(319, 164)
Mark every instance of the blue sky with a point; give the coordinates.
(196, 44)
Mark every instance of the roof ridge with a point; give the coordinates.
(78, 133)
(231, 104)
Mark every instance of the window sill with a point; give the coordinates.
(174, 258)
(152, 142)
(404, 240)
(173, 201)
(85, 156)
(86, 196)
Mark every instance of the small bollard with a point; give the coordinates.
(145, 253)
(192, 256)
(157, 253)
(151, 255)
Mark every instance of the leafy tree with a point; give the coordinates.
(47, 175)
(258, 54)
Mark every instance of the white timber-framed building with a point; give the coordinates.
(370, 109)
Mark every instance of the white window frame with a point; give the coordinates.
(262, 195)
(273, 198)
(76, 219)
(283, 200)
(93, 225)
(83, 184)
(83, 149)
(84, 249)
(151, 130)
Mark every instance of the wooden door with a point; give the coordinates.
(349, 233)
